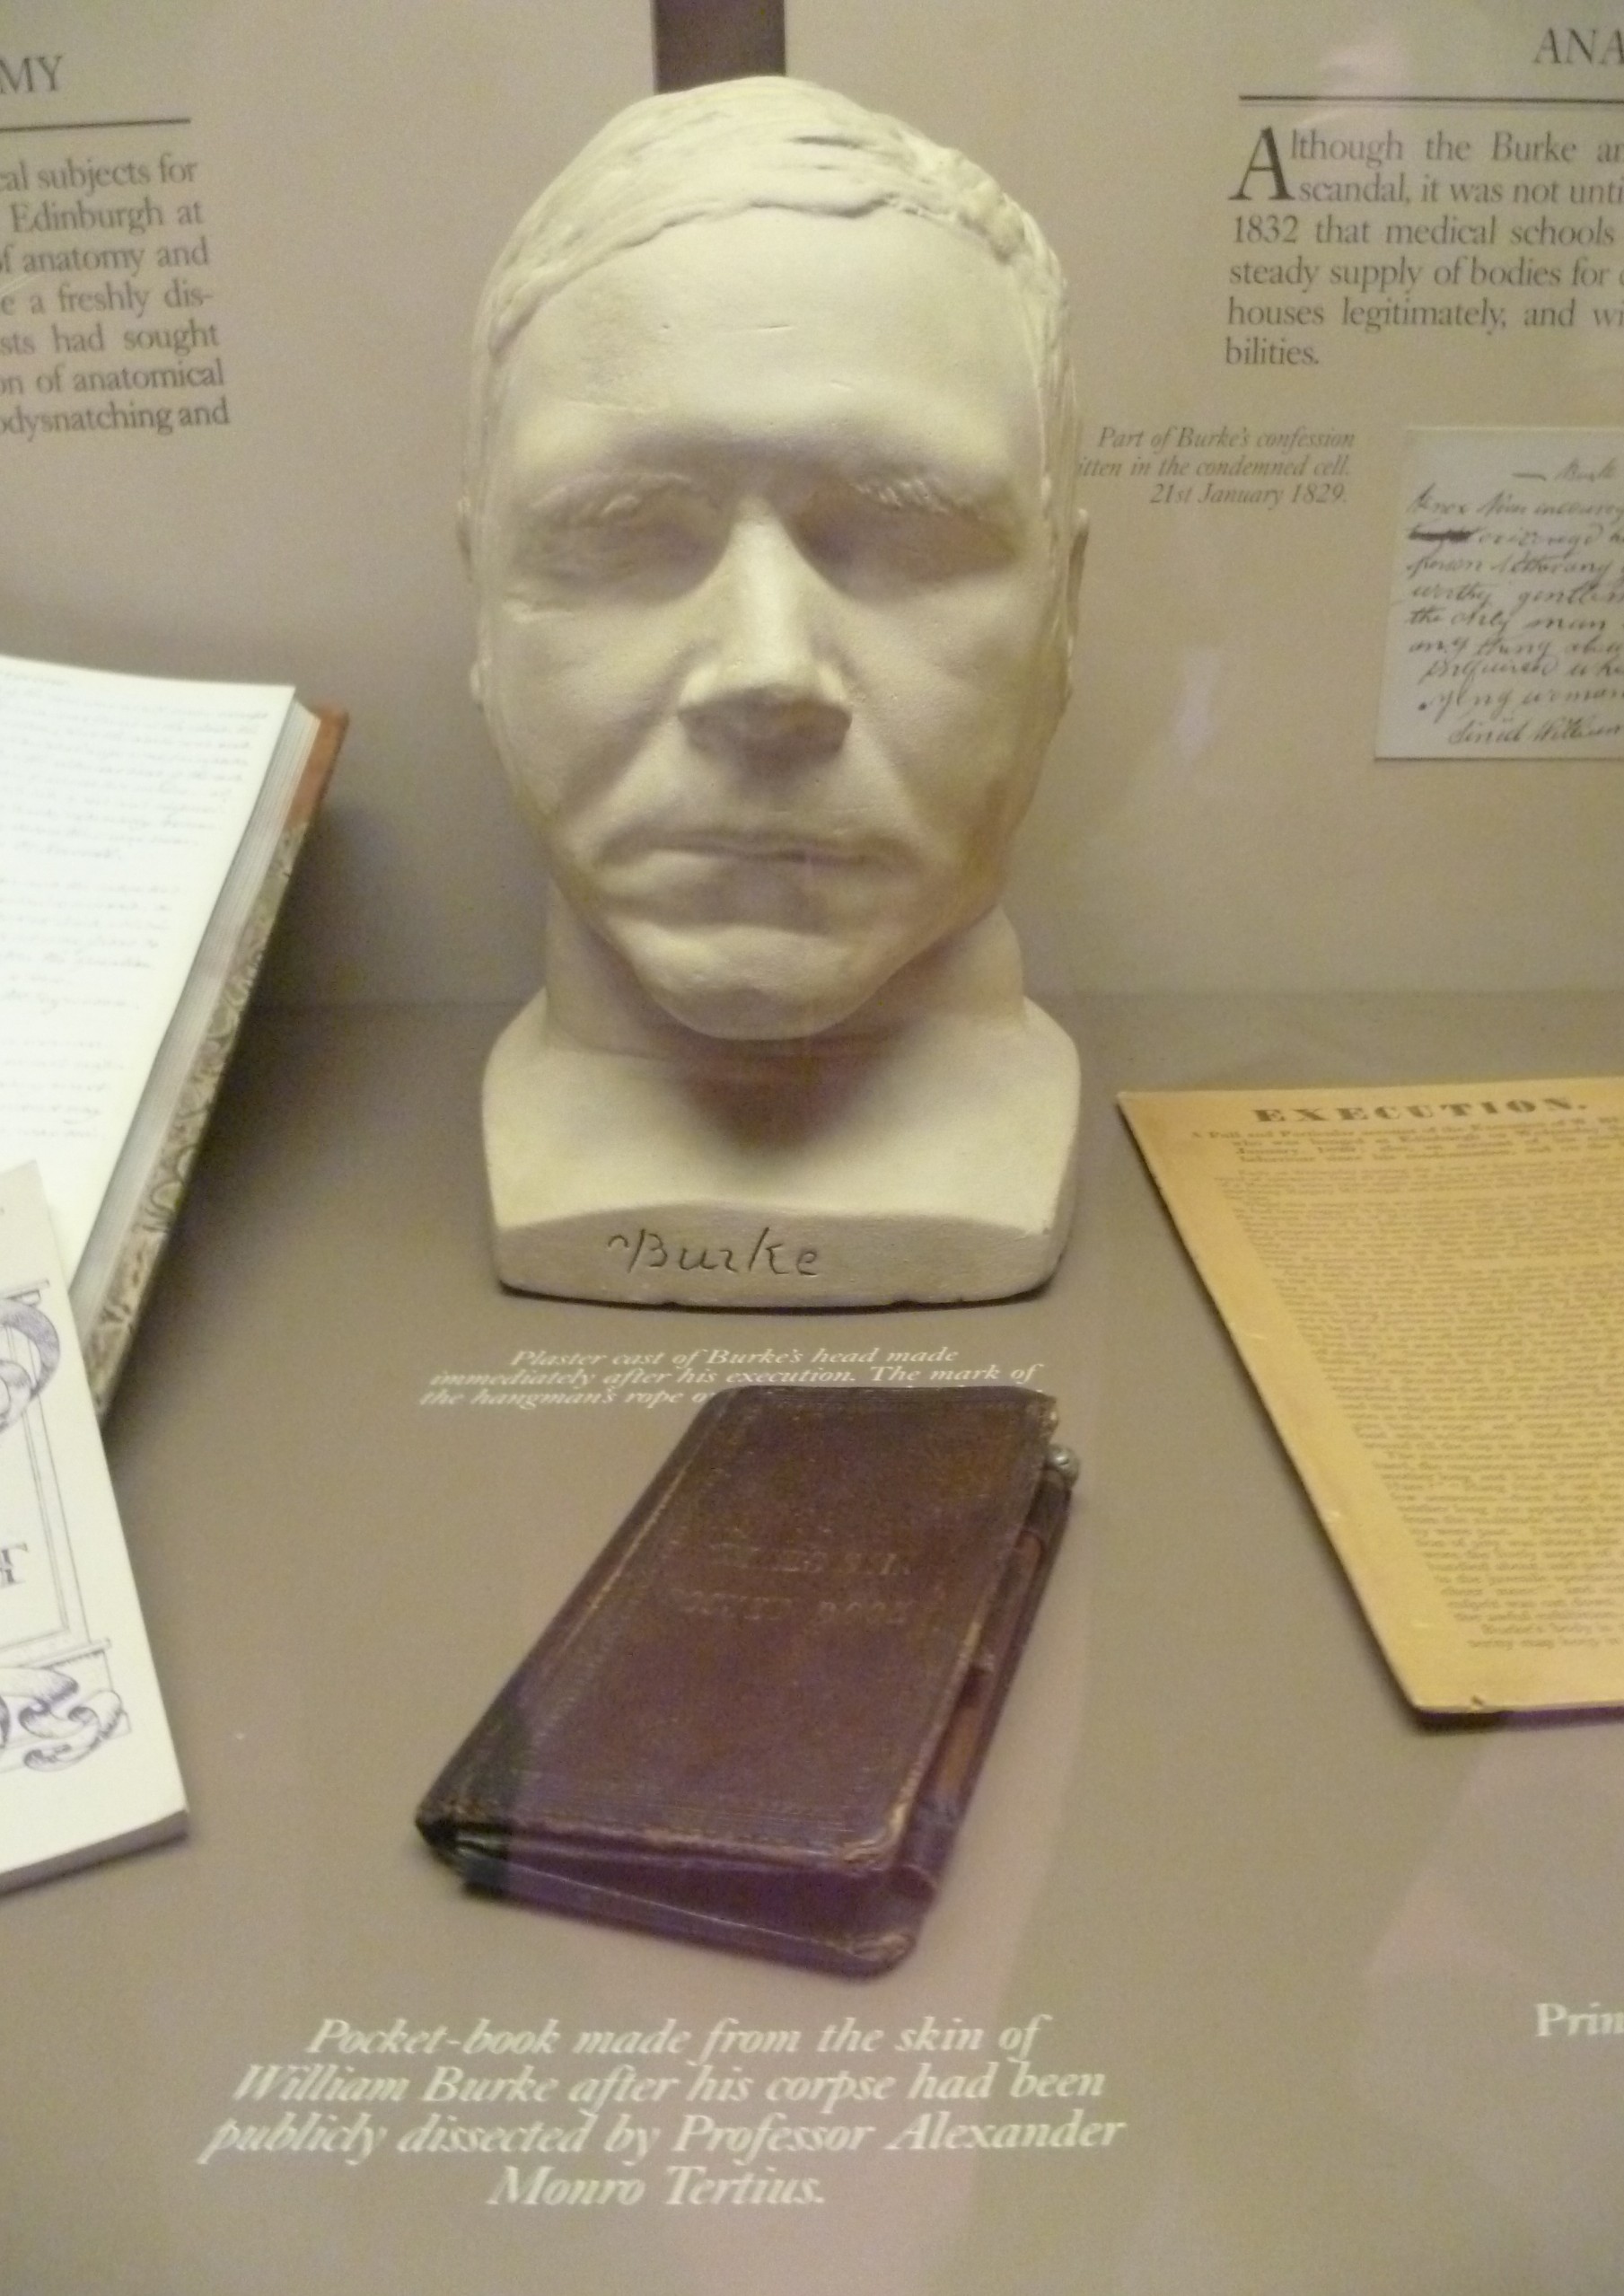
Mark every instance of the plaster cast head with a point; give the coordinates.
(770, 507)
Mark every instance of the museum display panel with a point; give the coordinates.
(1250, 369)
(1242, 1976)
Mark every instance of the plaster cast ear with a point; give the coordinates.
(1073, 570)
(1067, 645)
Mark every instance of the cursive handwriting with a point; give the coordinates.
(769, 1255)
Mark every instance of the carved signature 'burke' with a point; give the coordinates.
(769, 1255)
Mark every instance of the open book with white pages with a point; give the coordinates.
(151, 829)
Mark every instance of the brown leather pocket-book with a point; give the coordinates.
(757, 1721)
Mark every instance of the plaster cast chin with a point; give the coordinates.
(769, 516)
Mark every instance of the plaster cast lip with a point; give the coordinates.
(818, 849)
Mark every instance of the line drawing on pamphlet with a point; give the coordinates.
(57, 1702)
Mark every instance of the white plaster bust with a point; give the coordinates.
(771, 516)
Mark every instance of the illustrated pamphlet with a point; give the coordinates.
(1427, 1283)
(87, 1765)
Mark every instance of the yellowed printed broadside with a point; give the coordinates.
(1426, 1284)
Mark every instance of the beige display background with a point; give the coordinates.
(1303, 1941)
(1307, 1944)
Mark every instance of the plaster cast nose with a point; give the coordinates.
(764, 682)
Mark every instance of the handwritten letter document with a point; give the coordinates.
(1506, 630)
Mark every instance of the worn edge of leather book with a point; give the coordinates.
(690, 1749)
